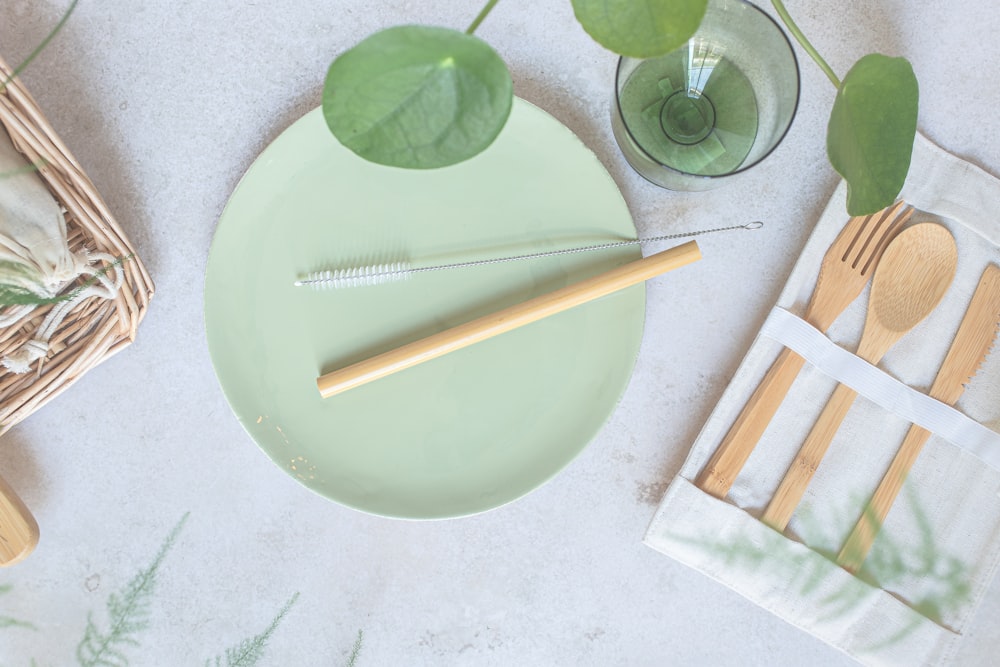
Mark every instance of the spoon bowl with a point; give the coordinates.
(910, 281)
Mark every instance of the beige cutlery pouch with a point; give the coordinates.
(940, 545)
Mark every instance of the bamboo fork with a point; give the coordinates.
(968, 350)
(846, 269)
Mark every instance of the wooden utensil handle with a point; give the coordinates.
(507, 319)
(18, 529)
(779, 511)
(732, 453)
(860, 541)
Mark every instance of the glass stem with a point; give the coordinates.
(482, 15)
(786, 18)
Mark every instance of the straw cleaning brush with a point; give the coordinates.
(377, 274)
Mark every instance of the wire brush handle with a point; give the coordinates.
(506, 320)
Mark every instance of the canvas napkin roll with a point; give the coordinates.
(940, 544)
(35, 255)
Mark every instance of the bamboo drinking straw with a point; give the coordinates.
(507, 319)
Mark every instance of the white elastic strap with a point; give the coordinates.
(881, 388)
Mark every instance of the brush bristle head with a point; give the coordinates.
(359, 276)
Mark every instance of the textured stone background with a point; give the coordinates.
(166, 104)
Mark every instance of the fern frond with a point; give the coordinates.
(10, 622)
(18, 294)
(128, 614)
(30, 168)
(356, 651)
(249, 652)
(41, 46)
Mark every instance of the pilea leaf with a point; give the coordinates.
(870, 136)
(640, 28)
(418, 97)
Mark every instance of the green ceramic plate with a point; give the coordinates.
(468, 431)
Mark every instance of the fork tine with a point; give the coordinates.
(873, 234)
(864, 230)
(878, 217)
(887, 235)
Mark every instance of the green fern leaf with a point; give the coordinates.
(128, 615)
(41, 46)
(28, 169)
(356, 650)
(21, 293)
(10, 622)
(249, 652)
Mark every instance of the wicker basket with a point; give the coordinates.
(96, 328)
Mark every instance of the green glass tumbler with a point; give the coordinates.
(697, 117)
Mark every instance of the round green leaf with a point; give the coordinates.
(870, 136)
(418, 97)
(640, 28)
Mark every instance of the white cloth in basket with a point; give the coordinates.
(940, 544)
(35, 254)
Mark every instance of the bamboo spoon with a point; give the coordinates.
(968, 350)
(912, 276)
(18, 529)
(507, 319)
(845, 271)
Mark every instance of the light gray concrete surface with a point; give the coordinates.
(166, 104)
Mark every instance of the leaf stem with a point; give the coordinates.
(42, 45)
(786, 18)
(482, 15)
